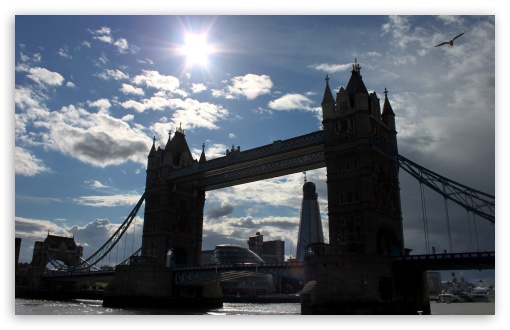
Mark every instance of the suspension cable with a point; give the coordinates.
(469, 226)
(125, 243)
(447, 220)
(476, 231)
(424, 214)
(134, 234)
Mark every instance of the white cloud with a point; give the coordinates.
(91, 236)
(112, 74)
(156, 80)
(192, 113)
(129, 89)
(103, 34)
(102, 105)
(250, 86)
(27, 164)
(128, 117)
(26, 98)
(291, 102)
(95, 184)
(197, 88)
(94, 138)
(122, 45)
(44, 76)
(331, 68)
(212, 151)
(108, 201)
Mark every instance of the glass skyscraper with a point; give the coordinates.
(310, 225)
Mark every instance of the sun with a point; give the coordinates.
(196, 49)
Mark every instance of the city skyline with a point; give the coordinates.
(91, 92)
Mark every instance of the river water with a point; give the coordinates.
(95, 307)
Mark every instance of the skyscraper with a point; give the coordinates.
(310, 226)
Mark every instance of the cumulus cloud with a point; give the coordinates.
(27, 164)
(44, 76)
(217, 212)
(122, 45)
(28, 98)
(197, 88)
(91, 236)
(94, 138)
(156, 80)
(129, 89)
(212, 151)
(291, 102)
(250, 86)
(102, 105)
(193, 114)
(103, 34)
(262, 192)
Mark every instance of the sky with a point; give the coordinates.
(91, 92)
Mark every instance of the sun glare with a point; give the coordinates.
(196, 49)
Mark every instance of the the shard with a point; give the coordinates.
(310, 226)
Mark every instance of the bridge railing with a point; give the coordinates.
(448, 261)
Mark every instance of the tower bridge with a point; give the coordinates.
(358, 272)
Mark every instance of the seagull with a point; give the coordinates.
(450, 42)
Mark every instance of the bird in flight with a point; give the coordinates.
(449, 42)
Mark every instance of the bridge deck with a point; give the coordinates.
(448, 261)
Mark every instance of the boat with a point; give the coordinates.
(447, 298)
(481, 293)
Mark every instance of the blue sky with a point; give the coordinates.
(91, 92)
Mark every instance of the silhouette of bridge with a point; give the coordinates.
(365, 268)
(280, 158)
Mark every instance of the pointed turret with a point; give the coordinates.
(328, 102)
(152, 153)
(169, 141)
(178, 146)
(328, 96)
(202, 156)
(357, 90)
(388, 118)
(356, 84)
(387, 110)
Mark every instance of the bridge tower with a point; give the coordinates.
(173, 219)
(354, 273)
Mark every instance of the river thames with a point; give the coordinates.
(95, 307)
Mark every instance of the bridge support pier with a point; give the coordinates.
(360, 284)
(153, 286)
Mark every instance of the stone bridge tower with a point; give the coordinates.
(363, 187)
(173, 219)
(61, 248)
(354, 273)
